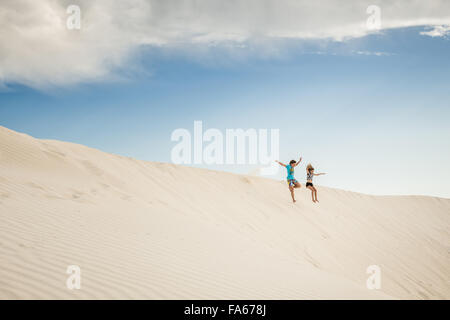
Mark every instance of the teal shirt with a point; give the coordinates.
(290, 172)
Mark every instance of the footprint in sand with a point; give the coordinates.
(4, 195)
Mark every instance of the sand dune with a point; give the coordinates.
(145, 230)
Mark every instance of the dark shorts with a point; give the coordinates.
(292, 182)
(309, 184)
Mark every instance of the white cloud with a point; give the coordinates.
(373, 53)
(437, 31)
(36, 48)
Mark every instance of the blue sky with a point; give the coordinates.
(376, 123)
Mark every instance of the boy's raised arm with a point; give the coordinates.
(281, 164)
(299, 160)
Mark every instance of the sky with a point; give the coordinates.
(370, 107)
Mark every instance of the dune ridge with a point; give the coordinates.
(147, 230)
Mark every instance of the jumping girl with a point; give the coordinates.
(309, 178)
(292, 182)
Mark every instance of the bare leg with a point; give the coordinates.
(312, 192)
(291, 189)
(297, 185)
(315, 193)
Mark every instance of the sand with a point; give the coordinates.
(147, 230)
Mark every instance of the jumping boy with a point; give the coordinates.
(292, 182)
